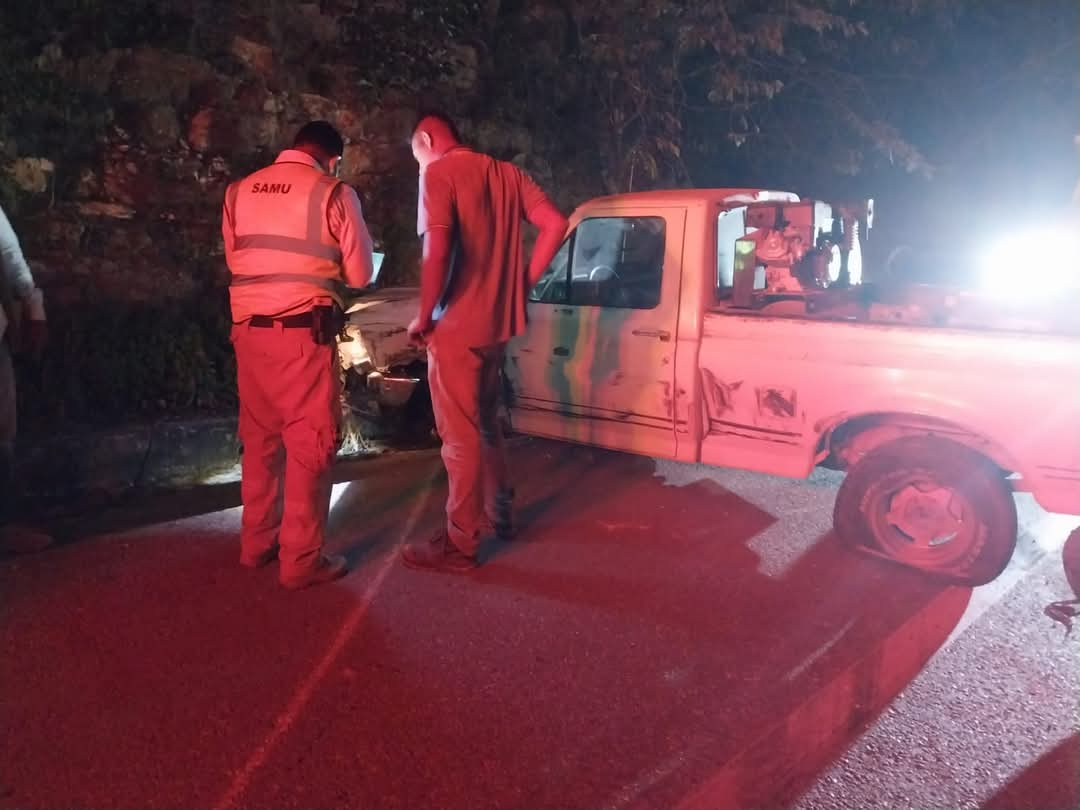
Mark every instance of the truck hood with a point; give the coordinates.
(378, 324)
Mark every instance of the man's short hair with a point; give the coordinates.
(440, 116)
(322, 135)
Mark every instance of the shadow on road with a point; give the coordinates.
(140, 509)
(627, 651)
(1052, 783)
(1066, 611)
(94, 516)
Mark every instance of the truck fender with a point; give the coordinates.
(846, 438)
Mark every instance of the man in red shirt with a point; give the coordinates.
(473, 289)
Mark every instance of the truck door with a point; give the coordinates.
(597, 364)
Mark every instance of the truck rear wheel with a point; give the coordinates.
(930, 504)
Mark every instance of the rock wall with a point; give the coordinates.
(123, 129)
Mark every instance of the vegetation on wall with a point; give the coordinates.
(145, 110)
(127, 362)
(42, 111)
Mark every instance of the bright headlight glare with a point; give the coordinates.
(1039, 262)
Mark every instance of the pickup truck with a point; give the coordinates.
(732, 327)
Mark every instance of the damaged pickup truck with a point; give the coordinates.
(732, 327)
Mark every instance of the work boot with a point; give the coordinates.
(260, 559)
(438, 554)
(23, 540)
(327, 568)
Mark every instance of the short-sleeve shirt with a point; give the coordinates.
(483, 201)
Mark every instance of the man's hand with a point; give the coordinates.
(27, 337)
(419, 330)
(35, 337)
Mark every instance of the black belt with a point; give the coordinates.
(301, 320)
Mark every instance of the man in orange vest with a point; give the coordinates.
(473, 287)
(295, 238)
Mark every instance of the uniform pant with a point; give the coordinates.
(465, 393)
(290, 413)
(7, 434)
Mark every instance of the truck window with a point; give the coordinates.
(617, 262)
(730, 227)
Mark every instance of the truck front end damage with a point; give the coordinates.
(383, 375)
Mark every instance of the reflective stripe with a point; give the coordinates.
(334, 286)
(318, 210)
(288, 244)
(295, 239)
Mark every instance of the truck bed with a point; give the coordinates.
(762, 376)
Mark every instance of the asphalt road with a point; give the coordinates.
(660, 636)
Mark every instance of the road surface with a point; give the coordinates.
(660, 636)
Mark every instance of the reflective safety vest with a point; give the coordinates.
(284, 257)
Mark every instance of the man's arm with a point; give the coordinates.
(228, 228)
(19, 282)
(539, 210)
(552, 225)
(17, 277)
(434, 273)
(435, 219)
(346, 219)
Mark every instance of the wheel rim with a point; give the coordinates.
(926, 524)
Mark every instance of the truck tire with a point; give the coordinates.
(930, 504)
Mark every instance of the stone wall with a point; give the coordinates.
(115, 169)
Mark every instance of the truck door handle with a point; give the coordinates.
(659, 333)
(562, 351)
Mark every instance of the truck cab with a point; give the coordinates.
(612, 354)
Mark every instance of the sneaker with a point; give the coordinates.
(23, 540)
(327, 568)
(260, 559)
(438, 554)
